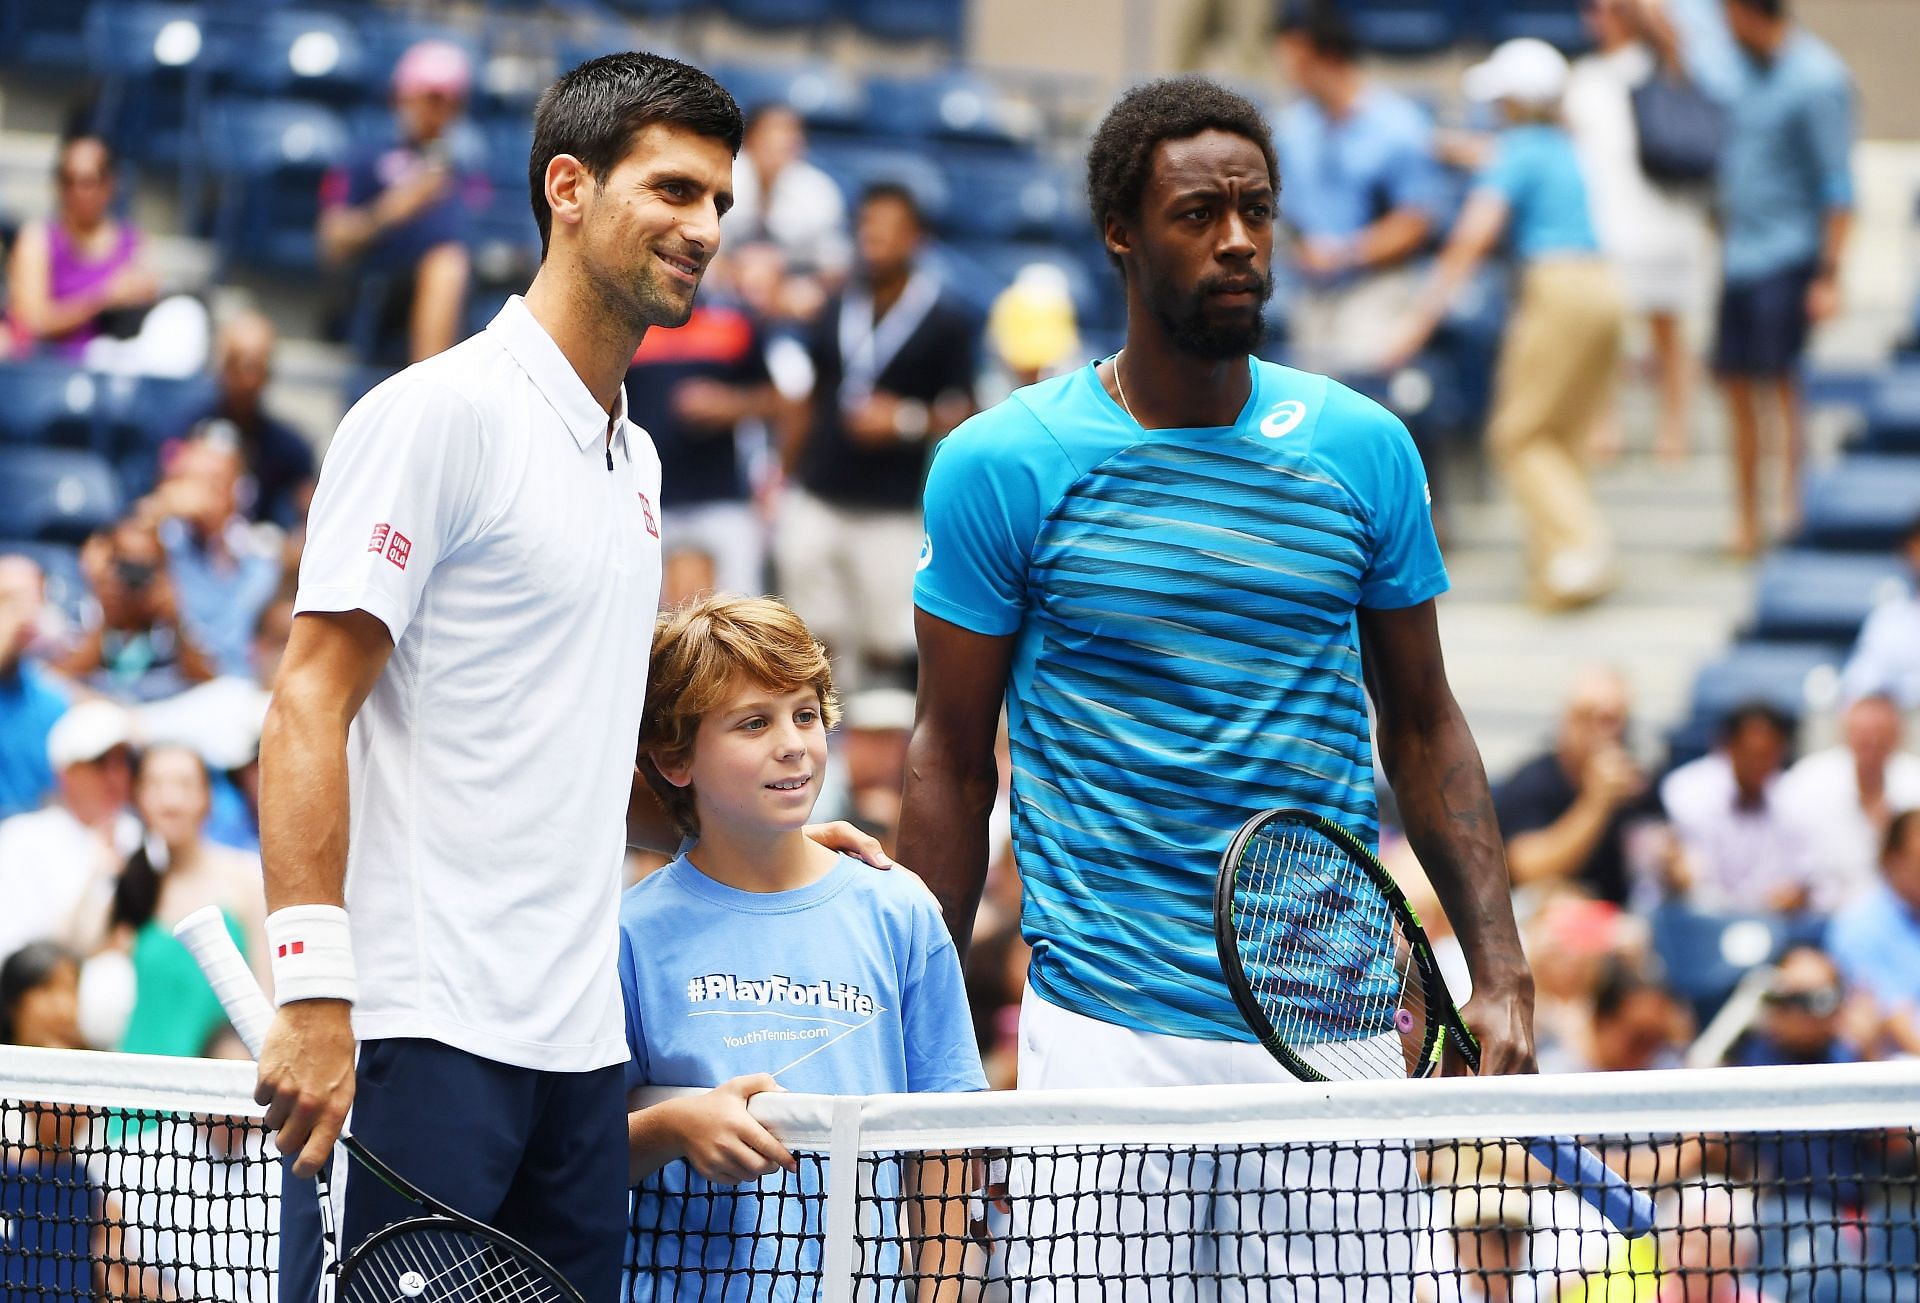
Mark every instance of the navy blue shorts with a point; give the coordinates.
(541, 1156)
(1763, 325)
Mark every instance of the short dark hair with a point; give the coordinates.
(25, 971)
(1896, 837)
(1765, 8)
(1321, 25)
(1121, 155)
(594, 111)
(896, 192)
(1758, 712)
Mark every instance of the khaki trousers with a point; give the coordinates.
(1556, 373)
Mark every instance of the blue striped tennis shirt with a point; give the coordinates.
(1183, 603)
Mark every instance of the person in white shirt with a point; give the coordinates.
(1845, 797)
(449, 752)
(1738, 848)
(1886, 655)
(781, 197)
(58, 864)
(1655, 236)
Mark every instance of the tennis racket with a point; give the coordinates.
(438, 1256)
(1332, 971)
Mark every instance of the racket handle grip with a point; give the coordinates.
(1606, 1191)
(204, 934)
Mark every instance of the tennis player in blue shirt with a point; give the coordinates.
(1184, 569)
(760, 960)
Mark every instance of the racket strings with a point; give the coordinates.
(1325, 956)
(437, 1265)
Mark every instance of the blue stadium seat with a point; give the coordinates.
(49, 402)
(1862, 502)
(1893, 413)
(142, 414)
(1821, 596)
(823, 96)
(778, 13)
(855, 164)
(56, 494)
(1404, 26)
(1705, 955)
(48, 36)
(269, 158)
(1556, 22)
(1785, 675)
(948, 106)
(909, 20)
(1008, 196)
(60, 563)
(300, 54)
(152, 62)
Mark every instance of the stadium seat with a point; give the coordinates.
(1821, 596)
(949, 106)
(1398, 27)
(55, 494)
(300, 55)
(1893, 413)
(1557, 22)
(1790, 676)
(909, 20)
(60, 562)
(269, 158)
(1862, 502)
(856, 164)
(1007, 196)
(152, 62)
(49, 402)
(778, 13)
(1705, 955)
(823, 96)
(141, 415)
(48, 36)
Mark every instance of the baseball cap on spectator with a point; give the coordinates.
(86, 732)
(1527, 71)
(881, 710)
(433, 67)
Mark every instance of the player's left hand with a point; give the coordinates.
(848, 840)
(1502, 1021)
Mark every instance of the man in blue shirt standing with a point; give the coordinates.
(1362, 193)
(1786, 206)
(30, 698)
(1184, 570)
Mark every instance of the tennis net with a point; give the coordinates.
(130, 1177)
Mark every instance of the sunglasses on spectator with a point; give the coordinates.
(1820, 1002)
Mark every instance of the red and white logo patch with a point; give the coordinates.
(646, 510)
(291, 948)
(378, 544)
(399, 550)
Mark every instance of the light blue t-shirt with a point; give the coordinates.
(1536, 171)
(1187, 653)
(1875, 943)
(847, 986)
(31, 702)
(1344, 174)
(1788, 158)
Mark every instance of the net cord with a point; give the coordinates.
(1800, 1098)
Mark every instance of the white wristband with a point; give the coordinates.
(312, 951)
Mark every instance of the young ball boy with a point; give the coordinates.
(759, 960)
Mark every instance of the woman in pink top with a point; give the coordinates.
(65, 273)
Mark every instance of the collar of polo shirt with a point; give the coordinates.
(533, 348)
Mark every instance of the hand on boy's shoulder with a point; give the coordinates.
(848, 840)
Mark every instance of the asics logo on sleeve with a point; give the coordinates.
(1283, 418)
(926, 553)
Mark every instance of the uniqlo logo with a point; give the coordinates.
(378, 544)
(399, 550)
(295, 948)
(646, 510)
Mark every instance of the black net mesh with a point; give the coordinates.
(99, 1203)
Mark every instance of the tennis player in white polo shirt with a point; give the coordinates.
(447, 762)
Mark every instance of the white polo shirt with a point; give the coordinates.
(472, 503)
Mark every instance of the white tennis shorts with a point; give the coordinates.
(1291, 1224)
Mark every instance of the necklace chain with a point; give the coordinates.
(1121, 389)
